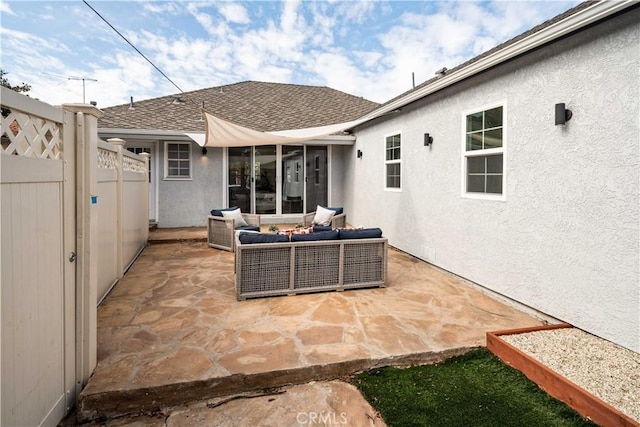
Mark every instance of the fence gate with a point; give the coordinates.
(37, 196)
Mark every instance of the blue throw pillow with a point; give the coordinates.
(218, 212)
(311, 237)
(248, 238)
(320, 228)
(363, 233)
(338, 211)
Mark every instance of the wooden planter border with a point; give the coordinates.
(554, 384)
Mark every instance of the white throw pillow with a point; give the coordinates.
(236, 216)
(323, 216)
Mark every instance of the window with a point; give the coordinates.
(392, 162)
(484, 152)
(178, 160)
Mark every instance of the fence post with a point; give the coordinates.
(119, 144)
(145, 213)
(86, 140)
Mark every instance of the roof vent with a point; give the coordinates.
(131, 107)
(441, 72)
(177, 100)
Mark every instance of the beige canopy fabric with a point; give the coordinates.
(221, 133)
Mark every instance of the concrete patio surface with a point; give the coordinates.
(172, 332)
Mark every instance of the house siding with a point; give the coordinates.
(186, 203)
(565, 239)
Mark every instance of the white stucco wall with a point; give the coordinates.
(566, 239)
(187, 203)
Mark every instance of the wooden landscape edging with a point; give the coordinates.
(554, 384)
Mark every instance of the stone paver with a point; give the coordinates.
(332, 403)
(172, 331)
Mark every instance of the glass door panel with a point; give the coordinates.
(292, 179)
(240, 178)
(317, 177)
(265, 175)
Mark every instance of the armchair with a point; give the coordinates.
(339, 219)
(221, 230)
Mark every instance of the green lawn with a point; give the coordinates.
(475, 389)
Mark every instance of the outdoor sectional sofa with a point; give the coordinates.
(339, 260)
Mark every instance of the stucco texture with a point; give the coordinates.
(565, 240)
(188, 202)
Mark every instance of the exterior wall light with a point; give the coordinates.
(204, 151)
(428, 139)
(563, 114)
(359, 154)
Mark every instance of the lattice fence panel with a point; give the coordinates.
(107, 159)
(133, 165)
(30, 136)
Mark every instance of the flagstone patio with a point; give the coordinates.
(172, 331)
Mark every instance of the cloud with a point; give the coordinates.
(367, 48)
(5, 8)
(234, 12)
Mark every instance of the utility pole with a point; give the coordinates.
(84, 79)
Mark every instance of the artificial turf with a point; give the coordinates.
(475, 389)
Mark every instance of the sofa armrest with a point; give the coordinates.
(252, 219)
(218, 221)
(339, 221)
(307, 219)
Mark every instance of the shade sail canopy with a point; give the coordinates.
(221, 133)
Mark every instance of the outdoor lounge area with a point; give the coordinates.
(172, 330)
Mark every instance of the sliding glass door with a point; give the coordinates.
(292, 179)
(317, 177)
(240, 178)
(274, 180)
(265, 178)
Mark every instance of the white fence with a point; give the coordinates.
(122, 199)
(54, 231)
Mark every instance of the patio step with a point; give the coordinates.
(100, 405)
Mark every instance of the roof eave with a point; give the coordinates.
(144, 134)
(546, 35)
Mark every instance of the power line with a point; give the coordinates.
(131, 44)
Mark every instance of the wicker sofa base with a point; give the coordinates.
(271, 269)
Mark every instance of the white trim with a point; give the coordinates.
(464, 154)
(388, 162)
(329, 178)
(166, 176)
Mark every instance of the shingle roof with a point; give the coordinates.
(257, 105)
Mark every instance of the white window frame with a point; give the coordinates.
(483, 153)
(168, 177)
(388, 162)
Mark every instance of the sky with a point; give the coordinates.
(365, 48)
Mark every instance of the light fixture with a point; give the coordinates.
(359, 154)
(442, 71)
(428, 139)
(204, 151)
(563, 114)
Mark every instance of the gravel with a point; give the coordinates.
(604, 369)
